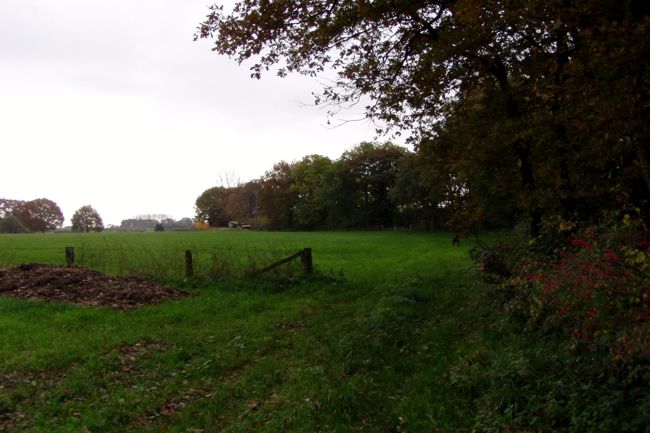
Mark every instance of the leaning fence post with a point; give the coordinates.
(189, 266)
(69, 256)
(307, 264)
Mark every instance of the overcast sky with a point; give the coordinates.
(112, 104)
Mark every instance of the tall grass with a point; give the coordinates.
(169, 263)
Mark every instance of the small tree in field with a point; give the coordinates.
(87, 219)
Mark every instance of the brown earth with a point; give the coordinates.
(82, 286)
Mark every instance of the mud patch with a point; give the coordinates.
(82, 286)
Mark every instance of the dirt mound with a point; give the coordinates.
(82, 286)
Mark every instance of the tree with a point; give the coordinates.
(367, 174)
(418, 193)
(40, 215)
(9, 221)
(182, 224)
(241, 202)
(476, 184)
(564, 85)
(10, 207)
(87, 219)
(11, 224)
(308, 177)
(277, 200)
(210, 206)
(138, 224)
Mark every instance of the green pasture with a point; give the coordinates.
(357, 255)
(368, 343)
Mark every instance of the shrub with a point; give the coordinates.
(594, 290)
(201, 225)
(580, 313)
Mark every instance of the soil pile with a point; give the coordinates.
(82, 286)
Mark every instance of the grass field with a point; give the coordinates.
(371, 342)
(371, 256)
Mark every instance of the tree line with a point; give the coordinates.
(43, 215)
(156, 222)
(536, 110)
(373, 185)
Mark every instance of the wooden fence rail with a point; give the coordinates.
(305, 258)
(304, 255)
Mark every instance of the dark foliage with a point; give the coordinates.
(11, 224)
(531, 109)
(38, 215)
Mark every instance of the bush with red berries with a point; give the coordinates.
(595, 290)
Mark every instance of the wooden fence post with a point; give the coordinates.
(189, 266)
(307, 264)
(69, 256)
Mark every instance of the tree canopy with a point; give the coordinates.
(11, 224)
(38, 215)
(369, 186)
(210, 205)
(541, 106)
(87, 219)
